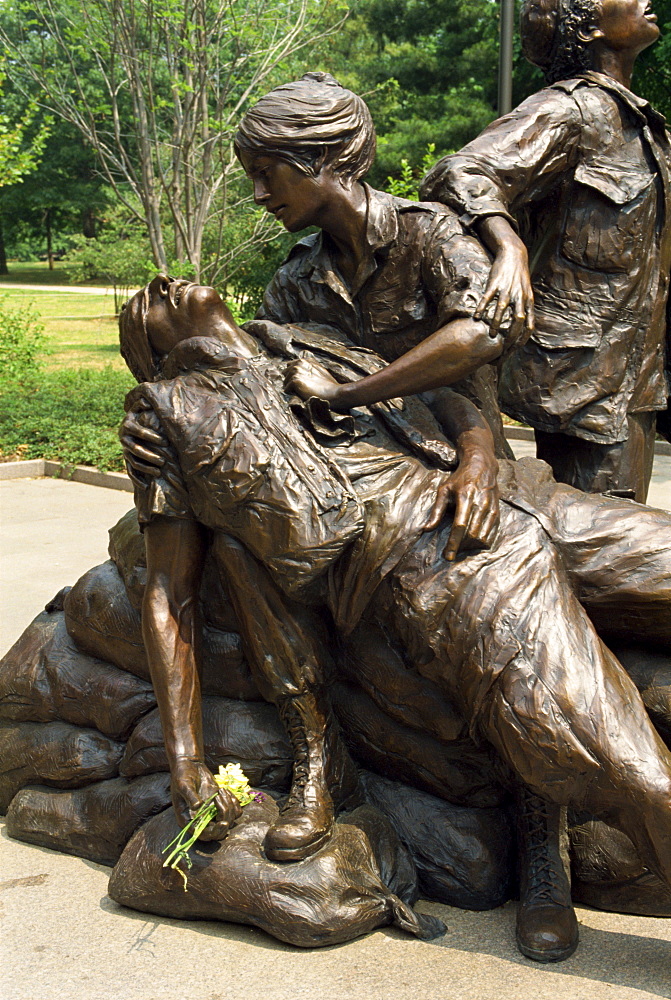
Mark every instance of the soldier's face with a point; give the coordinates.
(627, 24)
(296, 199)
(177, 309)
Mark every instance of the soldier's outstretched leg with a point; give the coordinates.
(503, 631)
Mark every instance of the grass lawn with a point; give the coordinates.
(36, 272)
(69, 409)
(81, 328)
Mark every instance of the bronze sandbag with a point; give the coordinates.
(361, 879)
(44, 677)
(102, 620)
(238, 732)
(464, 857)
(95, 822)
(127, 552)
(53, 753)
(607, 873)
(374, 663)
(650, 670)
(459, 772)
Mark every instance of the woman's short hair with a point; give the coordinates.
(134, 343)
(551, 30)
(311, 122)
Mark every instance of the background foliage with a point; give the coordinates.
(115, 152)
(122, 149)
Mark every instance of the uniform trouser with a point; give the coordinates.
(283, 640)
(506, 635)
(598, 468)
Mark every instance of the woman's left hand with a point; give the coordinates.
(473, 492)
(307, 378)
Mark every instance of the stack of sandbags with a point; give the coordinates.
(45, 677)
(62, 713)
(53, 753)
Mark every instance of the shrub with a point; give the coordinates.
(65, 415)
(21, 340)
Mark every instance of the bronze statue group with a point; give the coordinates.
(341, 463)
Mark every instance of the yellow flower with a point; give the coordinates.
(233, 778)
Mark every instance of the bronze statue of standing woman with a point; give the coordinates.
(572, 193)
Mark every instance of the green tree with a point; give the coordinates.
(20, 144)
(119, 254)
(429, 71)
(156, 89)
(22, 141)
(63, 195)
(652, 73)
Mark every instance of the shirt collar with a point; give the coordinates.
(201, 352)
(639, 104)
(381, 232)
(382, 227)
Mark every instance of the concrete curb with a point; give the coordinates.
(37, 468)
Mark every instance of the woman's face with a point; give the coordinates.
(627, 24)
(296, 199)
(178, 309)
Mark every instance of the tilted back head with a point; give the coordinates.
(134, 343)
(551, 35)
(311, 122)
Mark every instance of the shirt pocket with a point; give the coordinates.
(610, 217)
(392, 308)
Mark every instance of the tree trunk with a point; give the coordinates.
(50, 253)
(89, 223)
(3, 255)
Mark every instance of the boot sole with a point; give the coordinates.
(298, 853)
(558, 955)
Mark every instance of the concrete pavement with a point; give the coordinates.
(64, 939)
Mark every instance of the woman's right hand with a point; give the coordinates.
(509, 283)
(309, 378)
(192, 784)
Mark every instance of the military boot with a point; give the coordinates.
(306, 819)
(547, 928)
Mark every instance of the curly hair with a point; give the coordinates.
(310, 122)
(551, 31)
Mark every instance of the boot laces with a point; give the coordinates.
(544, 878)
(301, 769)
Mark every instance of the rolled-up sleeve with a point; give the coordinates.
(517, 159)
(455, 271)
